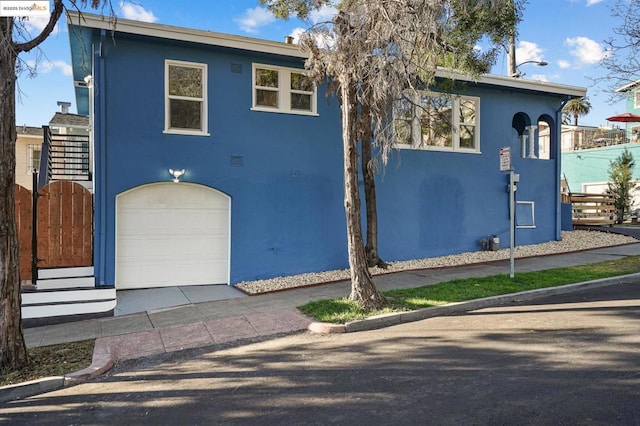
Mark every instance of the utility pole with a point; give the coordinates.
(511, 59)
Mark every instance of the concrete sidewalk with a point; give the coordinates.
(202, 324)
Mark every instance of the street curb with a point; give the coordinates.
(390, 319)
(27, 389)
(105, 357)
(101, 362)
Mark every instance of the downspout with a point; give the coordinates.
(101, 174)
(558, 156)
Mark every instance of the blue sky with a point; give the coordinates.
(568, 34)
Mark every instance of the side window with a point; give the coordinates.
(185, 98)
(33, 157)
(284, 90)
(433, 121)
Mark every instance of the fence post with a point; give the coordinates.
(34, 229)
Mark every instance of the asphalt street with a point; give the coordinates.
(564, 360)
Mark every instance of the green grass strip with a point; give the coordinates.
(343, 310)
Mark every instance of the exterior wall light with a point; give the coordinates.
(176, 174)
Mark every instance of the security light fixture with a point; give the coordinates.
(176, 174)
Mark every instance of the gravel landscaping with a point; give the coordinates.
(571, 241)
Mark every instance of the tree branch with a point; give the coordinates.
(58, 7)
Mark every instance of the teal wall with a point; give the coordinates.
(592, 165)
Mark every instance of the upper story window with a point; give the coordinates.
(185, 98)
(286, 90)
(636, 99)
(437, 122)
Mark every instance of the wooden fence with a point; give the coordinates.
(64, 226)
(591, 209)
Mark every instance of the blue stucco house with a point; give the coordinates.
(255, 152)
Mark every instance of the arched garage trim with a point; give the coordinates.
(172, 234)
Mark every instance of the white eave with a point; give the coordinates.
(515, 83)
(184, 34)
(628, 87)
(279, 48)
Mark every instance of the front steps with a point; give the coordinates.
(64, 295)
(61, 278)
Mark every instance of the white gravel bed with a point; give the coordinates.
(571, 241)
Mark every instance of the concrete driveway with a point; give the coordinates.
(572, 359)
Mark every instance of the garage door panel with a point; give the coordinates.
(172, 234)
(143, 249)
(186, 273)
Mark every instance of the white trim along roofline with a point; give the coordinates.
(628, 87)
(292, 50)
(183, 34)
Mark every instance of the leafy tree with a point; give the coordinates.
(14, 40)
(620, 184)
(373, 51)
(623, 50)
(577, 107)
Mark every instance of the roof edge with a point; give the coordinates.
(628, 86)
(514, 83)
(90, 20)
(280, 48)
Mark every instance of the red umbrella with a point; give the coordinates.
(627, 117)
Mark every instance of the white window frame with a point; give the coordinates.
(30, 157)
(416, 133)
(203, 100)
(636, 98)
(283, 91)
(525, 214)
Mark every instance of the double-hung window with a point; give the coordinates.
(185, 98)
(434, 121)
(284, 90)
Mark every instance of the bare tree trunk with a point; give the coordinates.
(13, 351)
(371, 248)
(363, 290)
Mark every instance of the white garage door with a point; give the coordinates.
(171, 234)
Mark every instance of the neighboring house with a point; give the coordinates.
(632, 91)
(30, 140)
(28, 149)
(256, 151)
(587, 170)
(67, 148)
(581, 137)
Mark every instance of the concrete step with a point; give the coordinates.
(79, 271)
(67, 303)
(66, 283)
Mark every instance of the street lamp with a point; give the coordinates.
(519, 74)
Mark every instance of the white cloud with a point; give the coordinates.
(35, 24)
(47, 67)
(585, 50)
(324, 14)
(564, 64)
(137, 13)
(296, 33)
(254, 18)
(592, 2)
(528, 51)
(323, 40)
